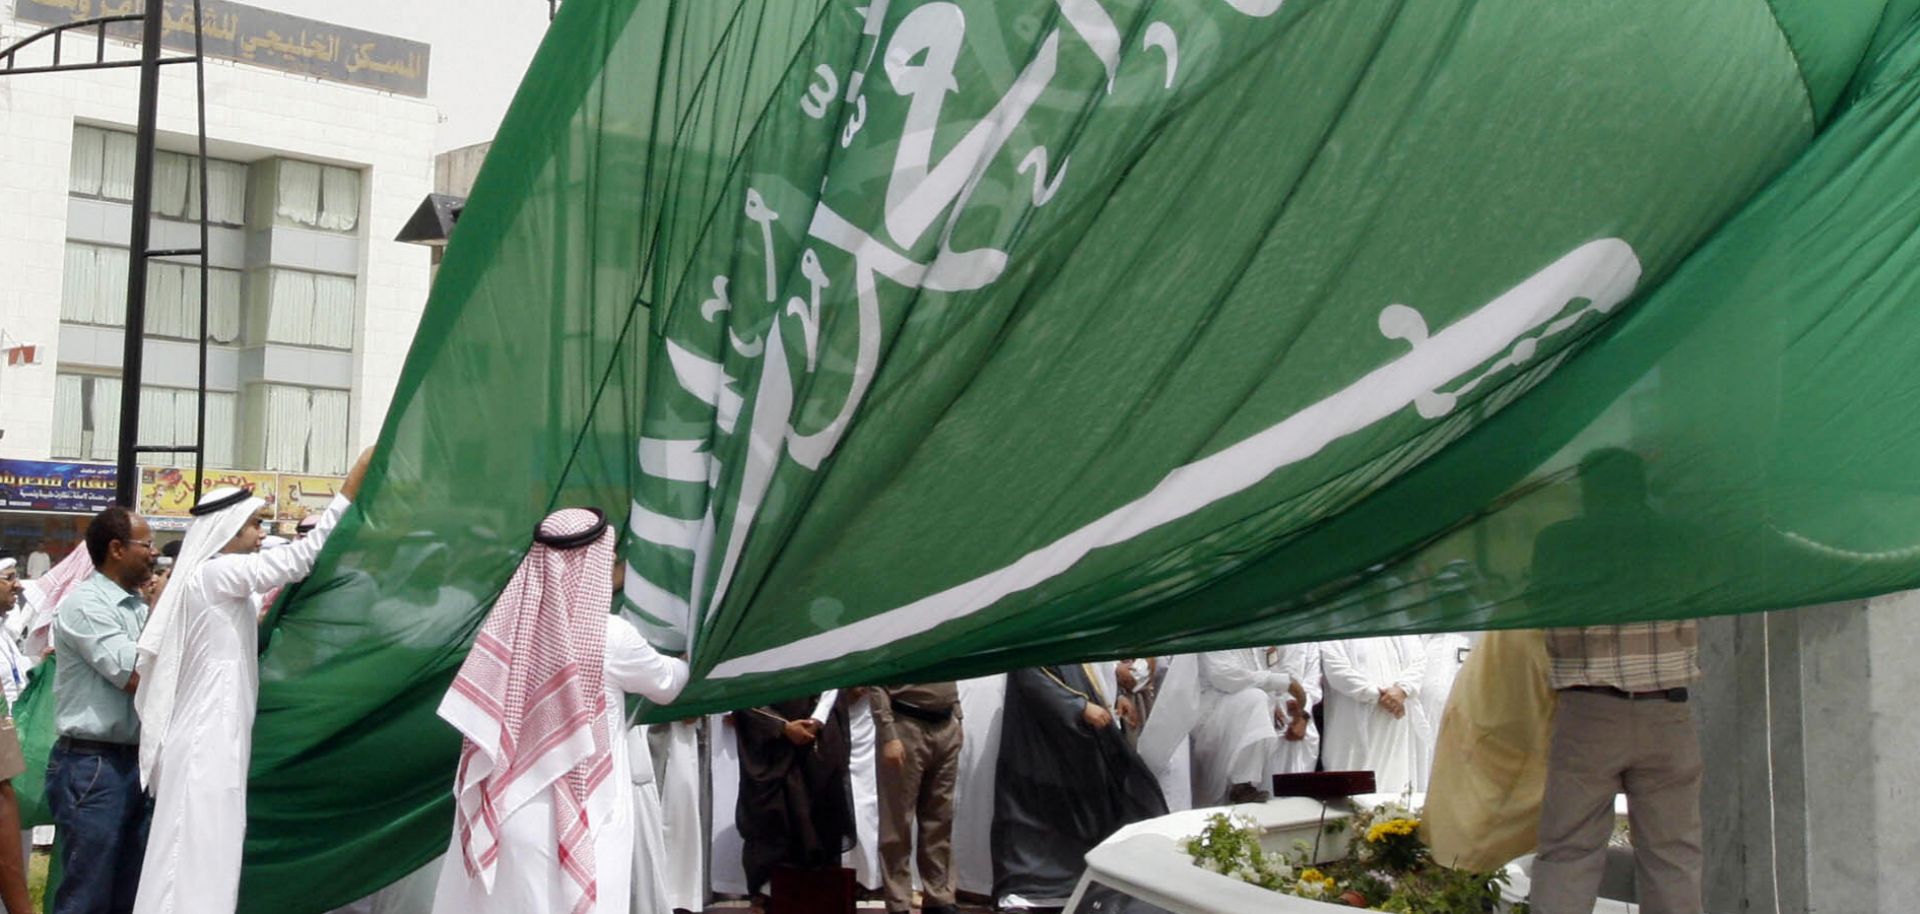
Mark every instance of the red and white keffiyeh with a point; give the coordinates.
(44, 594)
(530, 700)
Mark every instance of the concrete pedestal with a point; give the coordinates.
(1830, 820)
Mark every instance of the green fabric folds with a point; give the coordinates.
(925, 339)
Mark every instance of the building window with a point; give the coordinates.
(310, 309)
(95, 292)
(86, 417)
(86, 421)
(176, 189)
(102, 164)
(95, 288)
(305, 429)
(325, 197)
(167, 419)
(103, 167)
(173, 302)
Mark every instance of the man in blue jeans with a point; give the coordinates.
(93, 772)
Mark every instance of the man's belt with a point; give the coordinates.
(924, 715)
(83, 746)
(1673, 695)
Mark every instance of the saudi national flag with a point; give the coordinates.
(920, 339)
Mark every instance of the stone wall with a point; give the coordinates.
(1833, 822)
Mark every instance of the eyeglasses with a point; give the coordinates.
(146, 543)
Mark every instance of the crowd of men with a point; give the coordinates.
(914, 791)
(152, 659)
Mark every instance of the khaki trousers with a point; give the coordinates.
(1604, 745)
(921, 789)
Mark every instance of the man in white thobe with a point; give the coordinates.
(681, 863)
(38, 561)
(863, 776)
(1300, 741)
(13, 664)
(1370, 684)
(1446, 653)
(1166, 743)
(1243, 707)
(534, 789)
(199, 684)
(981, 702)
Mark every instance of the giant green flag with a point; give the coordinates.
(917, 339)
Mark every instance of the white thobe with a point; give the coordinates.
(863, 777)
(1302, 662)
(1234, 739)
(199, 781)
(1362, 736)
(725, 846)
(649, 876)
(527, 876)
(14, 667)
(684, 867)
(1436, 684)
(982, 701)
(1165, 743)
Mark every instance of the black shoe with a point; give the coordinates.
(941, 909)
(1247, 793)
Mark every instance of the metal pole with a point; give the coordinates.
(126, 478)
(200, 102)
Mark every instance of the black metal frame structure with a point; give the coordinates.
(126, 475)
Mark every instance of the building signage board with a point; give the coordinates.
(40, 485)
(170, 491)
(304, 495)
(247, 34)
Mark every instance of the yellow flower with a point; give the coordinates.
(1314, 875)
(1380, 831)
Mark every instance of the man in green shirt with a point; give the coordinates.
(93, 772)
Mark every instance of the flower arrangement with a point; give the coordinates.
(1232, 848)
(1386, 867)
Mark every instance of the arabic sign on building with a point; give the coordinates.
(170, 492)
(39, 485)
(304, 495)
(265, 38)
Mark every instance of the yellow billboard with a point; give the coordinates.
(170, 491)
(304, 495)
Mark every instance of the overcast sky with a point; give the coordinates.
(480, 50)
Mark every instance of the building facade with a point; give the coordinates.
(312, 305)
